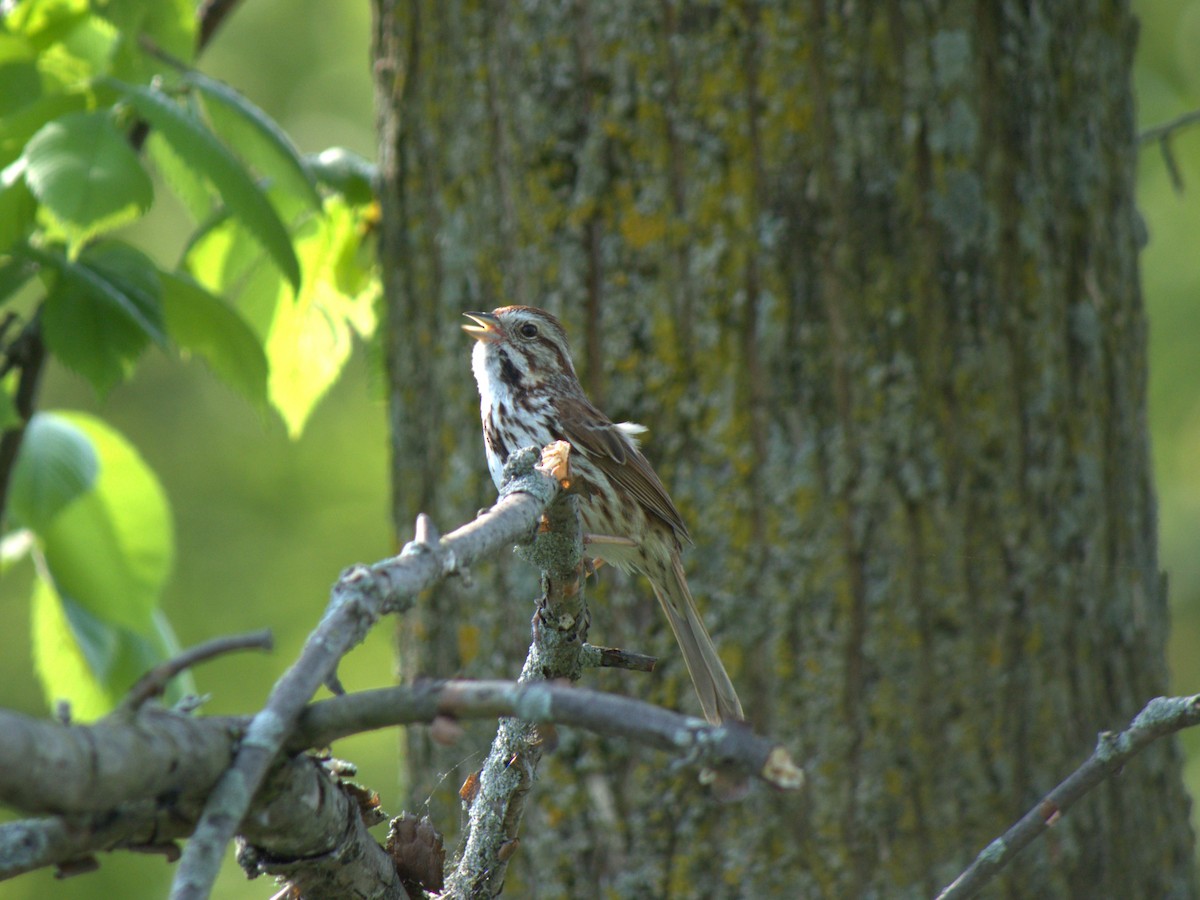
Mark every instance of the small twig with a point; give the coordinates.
(1168, 129)
(1168, 155)
(731, 747)
(1163, 134)
(615, 658)
(1161, 716)
(210, 15)
(154, 682)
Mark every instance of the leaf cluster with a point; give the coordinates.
(101, 111)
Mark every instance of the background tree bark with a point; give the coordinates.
(870, 274)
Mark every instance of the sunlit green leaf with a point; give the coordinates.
(89, 662)
(110, 549)
(310, 338)
(56, 464)
(45, 22)
(228, 263)
(76, 49)
(201, 149)
(62, 663)
(104, 550)
(85, 173)
(205, 325)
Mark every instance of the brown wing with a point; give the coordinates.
(591, 433)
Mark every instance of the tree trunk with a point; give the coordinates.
(869, 272)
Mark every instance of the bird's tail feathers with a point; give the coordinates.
(717, 696)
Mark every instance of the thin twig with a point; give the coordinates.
(1168, 129)
(731, 747)
(210, 15)
(154, 682)
(615, 658)
(1161, 716)
(1163, 134)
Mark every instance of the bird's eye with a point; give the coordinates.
(528, 330)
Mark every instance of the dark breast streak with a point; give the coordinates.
(491, 436)
(509, 373)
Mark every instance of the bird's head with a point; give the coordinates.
(521, 347)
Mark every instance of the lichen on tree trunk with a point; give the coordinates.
(870, 275)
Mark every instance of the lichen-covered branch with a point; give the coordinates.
(52, 768)
(359, 598)
(303, 825)
(146, 777)
(560, 624)
(1160, 717)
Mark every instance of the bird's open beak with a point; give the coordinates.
(483, 326)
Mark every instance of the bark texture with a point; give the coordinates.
(869, 273)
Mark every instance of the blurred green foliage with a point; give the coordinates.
(1167, 82)
(264, 524)
(269, 289)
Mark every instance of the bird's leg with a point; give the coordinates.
(600, 541)
(610, 540)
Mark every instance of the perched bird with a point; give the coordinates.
(529, 395)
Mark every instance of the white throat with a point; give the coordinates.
(492, 389)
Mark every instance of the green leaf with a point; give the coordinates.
(18, 127)
(56, 464)
(101, 310)
(203, 324)
(110, 549)
(91, 662)
(170, 24)
(98, 640)
(9, 417)
(307, 337)
(310, 337)
(257, 138)
(85, 173)
(46, 23)
(224, 259)
(104, 547)
(74, 49)
(18, 208)
(188, 185)
(62, 663)
(14, 274)
(20, 85)
(200, 148)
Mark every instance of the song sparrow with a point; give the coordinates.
(529, 396)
